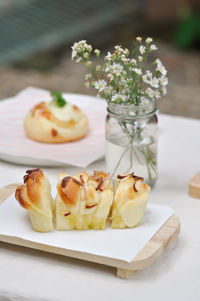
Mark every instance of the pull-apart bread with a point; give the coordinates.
(83, 201)
(35, 196)
(130, 200)
(50, 123)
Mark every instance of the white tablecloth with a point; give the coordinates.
(27, 274)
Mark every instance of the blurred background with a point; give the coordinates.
(36, 38)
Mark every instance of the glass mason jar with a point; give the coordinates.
(131, 140)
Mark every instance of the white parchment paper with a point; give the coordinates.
(123, 244)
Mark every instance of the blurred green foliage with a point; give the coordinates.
(187, 34)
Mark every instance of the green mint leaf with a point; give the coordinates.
(58, 99)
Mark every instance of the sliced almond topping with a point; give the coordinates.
(106, 183)
(81, 179)
(137, 178)
(29, 172)
(66, 179)
(67, 213)
(99, 186)
(90, 206)
(100, 173)
(120, 177)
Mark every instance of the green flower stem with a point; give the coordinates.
(120, 159)
(131, 157)
(136, 135)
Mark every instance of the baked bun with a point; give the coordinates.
(35, 196)
(130, 200)
(83, 202)
(49, 123)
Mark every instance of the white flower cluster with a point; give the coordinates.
(124, 77)
(81, 49)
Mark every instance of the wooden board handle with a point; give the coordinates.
(6, 191)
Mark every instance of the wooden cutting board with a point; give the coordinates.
(146, 257)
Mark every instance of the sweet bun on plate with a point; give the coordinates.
(35, 197)
(130, 201)
(83, 201)
(56, 121)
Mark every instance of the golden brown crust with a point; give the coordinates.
(59, 139)
(102, 179)
(130, 201)
(83, 201)
(41, 125)
(35, 196)
(69, 189)
(136, 184)
(46, 113)
(32, 183)
(19, 195)
(83, 176)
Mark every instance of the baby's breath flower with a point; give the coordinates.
(88, 76)
(74, 50)
(110, 76)
(149, 40)
(144, 100)
(82, 42)
(160, 67)
(116, 80)
(97, 52)
(142, 49)
(100, 85)
(79, 59)
(86, 55)
(116, 97)
(80, 46)
(157, 94)
(88, 64)
(137, 71)
(149, 73)
(147, 77)
(126, 51)
(133, 61)
(109, 56)
(154, 82)
(164, 90)
(118, 48)
(88, 47)
(87, 84)
(108, 90)
(150, 92)
(98, 68)
(139, 39)
(140, 58)
(153, 47)
(163, 81)
(115, 68)
(124, 59)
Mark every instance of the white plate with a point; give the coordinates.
(15, 147)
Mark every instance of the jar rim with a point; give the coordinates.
(132, 110)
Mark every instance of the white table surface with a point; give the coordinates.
(27, 274)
